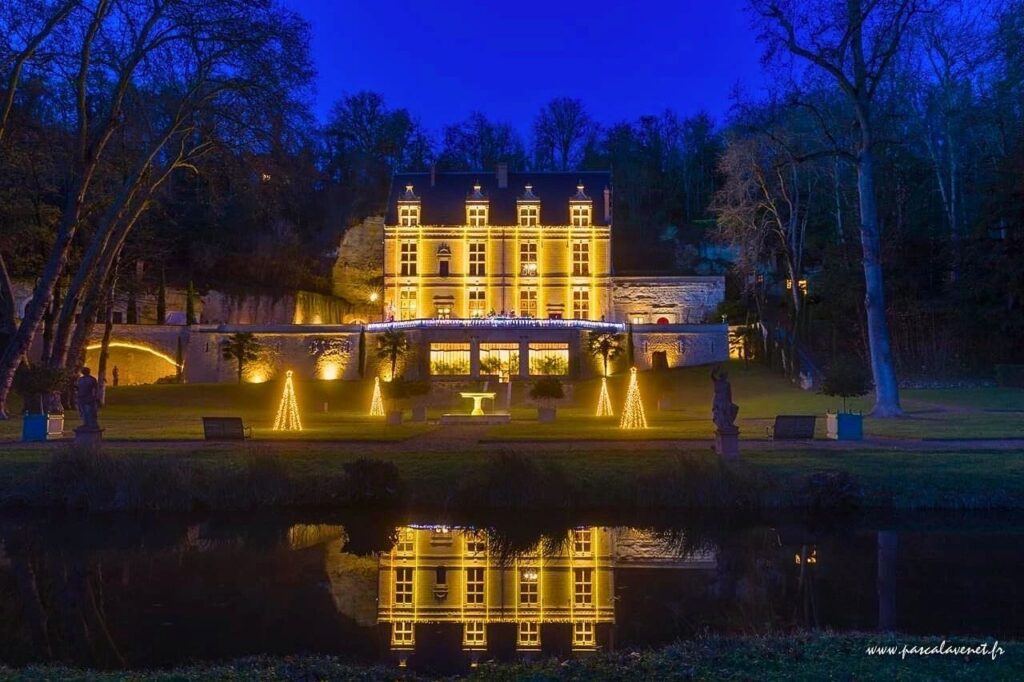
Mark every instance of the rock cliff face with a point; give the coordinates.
(359, 271)
(679, 300)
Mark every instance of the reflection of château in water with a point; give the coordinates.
(441, 583)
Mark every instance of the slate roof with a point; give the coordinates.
(445, 202)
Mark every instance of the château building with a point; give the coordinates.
(474, 245)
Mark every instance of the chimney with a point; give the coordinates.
(607, 205)
(502, 176)
(433, 174)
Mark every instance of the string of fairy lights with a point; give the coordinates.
(633, 416)
(288, 411)
(377, 401)
(604, 402)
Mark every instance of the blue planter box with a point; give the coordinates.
(37, 428)
(845, 426)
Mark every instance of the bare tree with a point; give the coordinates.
(762, 208)
(561, 133)
(176, 76)
(853, 44)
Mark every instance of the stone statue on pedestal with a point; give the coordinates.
(87, 397)
(723, 413)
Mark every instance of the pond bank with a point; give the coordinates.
(187, 476)
(800, 656)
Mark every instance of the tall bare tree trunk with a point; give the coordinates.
(887, 397)
(8, 318)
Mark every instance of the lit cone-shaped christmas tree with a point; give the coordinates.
(604, 403)
(288, 412)
(377, 402)
(633, 411)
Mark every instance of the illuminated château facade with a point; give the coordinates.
(476, 245)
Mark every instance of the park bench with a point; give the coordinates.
(225, 428)
(792, 427)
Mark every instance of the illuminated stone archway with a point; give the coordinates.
(137, 363)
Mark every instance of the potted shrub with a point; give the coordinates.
(845, 378)
(394, 393)
(416, 391)
(545, 391)
(43, 413)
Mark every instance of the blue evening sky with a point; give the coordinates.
(444, 60)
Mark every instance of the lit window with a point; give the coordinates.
(409, 216)
(580, 216)
(403, 585)
(443, 311)
(581, 304)
(408, 259)
(499, 359)
(407, 303)
(528, 302)
(477, 258)
(549, 359)
(477, 303)
(529, 579)
(475, 544)
(529, 215)
(474, 586)
(405, 542)
(637, 319)
(583, 586)
(583, 633)
(449, 359)
(529, 634)
(528, 258)
(403, 633)
(581, 539)
(581, 259)
(475, 634)
(477, 215)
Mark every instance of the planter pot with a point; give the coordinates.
(419, 413)
(36, 428)
(845, 426)
(394, 418)
(546, 414)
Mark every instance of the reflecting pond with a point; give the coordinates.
(438, 593)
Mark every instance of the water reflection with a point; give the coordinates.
(451, 585)
(136, 592)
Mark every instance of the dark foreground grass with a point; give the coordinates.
(129, 477)
(798, 657)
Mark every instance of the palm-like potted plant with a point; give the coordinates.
(545, 391)
(43, 413)
(845, 378)
(243, 348)
(606, 347)
(391, 347)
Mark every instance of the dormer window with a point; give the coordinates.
(409, 208)
(580, 208)
(528, 207)
(409, 216)
(476, 208)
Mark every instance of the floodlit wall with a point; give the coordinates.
(671, 300)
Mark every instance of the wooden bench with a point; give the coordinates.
(792, 427)
(225, 428)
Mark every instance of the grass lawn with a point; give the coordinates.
(174, 412)
(810, 656)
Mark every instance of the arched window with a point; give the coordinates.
(663, 320)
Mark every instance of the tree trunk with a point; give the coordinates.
(239, 369)
(887, 397)
(8, 319)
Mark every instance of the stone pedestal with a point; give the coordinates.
(86, 437)
(727, 443)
